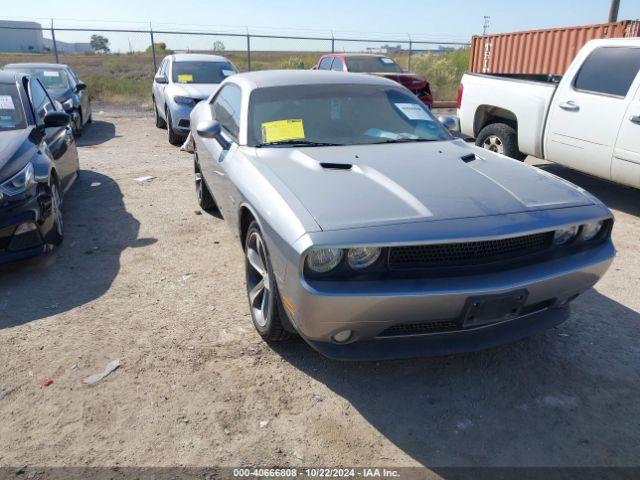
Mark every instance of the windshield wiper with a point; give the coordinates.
(407, 140)
(294, 143)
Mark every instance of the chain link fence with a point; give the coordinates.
(119, 64)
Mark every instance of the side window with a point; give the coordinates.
(163, 67)
(73, 76)
(41, 102)
(338, 65)
(609, 71)
(325, 63)
(226, 109)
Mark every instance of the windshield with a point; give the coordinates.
(339, 115)
(11, 112)
(366, 64)
(50, 78)
(201, 72)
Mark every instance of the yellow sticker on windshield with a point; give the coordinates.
(282, 130)
(185, 78)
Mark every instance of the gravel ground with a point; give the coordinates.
(145, 277)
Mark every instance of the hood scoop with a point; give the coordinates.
(336, 166)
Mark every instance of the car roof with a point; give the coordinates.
(198, 57)
(378, 55)
(52, 66)
(280, 78)
(8, 77)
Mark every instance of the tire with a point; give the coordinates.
(264, 300)
(90, 119)
(203, 194)
(500, 138)
(77, 125)
(174, 138)
(160, 123)
(56, 234)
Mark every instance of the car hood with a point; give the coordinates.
(14, 146)
(193, 90)
(409, 80)
(399, 183)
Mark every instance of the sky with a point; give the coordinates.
(436, 20)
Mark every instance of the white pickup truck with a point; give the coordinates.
(589, 121)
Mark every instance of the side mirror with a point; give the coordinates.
(56, 119)
(450, 123)
(160, 79)
(81, 86)
(209, 129)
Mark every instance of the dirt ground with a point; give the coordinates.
(143, 276)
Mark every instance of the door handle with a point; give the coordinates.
(569, 106)
(635, 119)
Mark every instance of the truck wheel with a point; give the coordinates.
(500, 138)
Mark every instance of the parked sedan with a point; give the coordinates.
(373, 233)
(38, 164)
(64, 86)
(181, 82)
(379, 65)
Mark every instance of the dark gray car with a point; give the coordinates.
(64, 86)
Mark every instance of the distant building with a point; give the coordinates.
(26, 38)
(67, 47)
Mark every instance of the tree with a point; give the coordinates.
(99, 44)
(160, 48)
(218, 46)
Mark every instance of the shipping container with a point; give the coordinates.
(540, 52)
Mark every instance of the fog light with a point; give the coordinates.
(343, 336)
(25, 228)
(323, 260)
(363, 257)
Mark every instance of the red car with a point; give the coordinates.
(377, 65)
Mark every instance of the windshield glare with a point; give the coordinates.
(50, 78)
(339, 114)
(366, 64)
(11, 112)
(201, 72)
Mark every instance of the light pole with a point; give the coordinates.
(613, 11)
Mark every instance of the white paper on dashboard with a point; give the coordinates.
(412, 111)
(228, 73)
(386, 60)
(6, 102)
(51, 73)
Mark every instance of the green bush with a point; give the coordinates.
(443, 71)
(293, 63)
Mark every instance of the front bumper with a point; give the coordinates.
(33, 211)
(180, 118)
(369, 309)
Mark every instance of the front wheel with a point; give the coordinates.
(56, 235)
(203, 194)
(264, 299)
(174, 138)
(160, 123)
(500, 138)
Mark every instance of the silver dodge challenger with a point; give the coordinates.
(372, 232)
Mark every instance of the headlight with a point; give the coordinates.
(565, 235)
(190, 102)
(68, 104)
(591, 230)
(363, 257)
(20, 182)
(323, 260)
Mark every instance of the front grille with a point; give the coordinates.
(421, 327)
(467, 253)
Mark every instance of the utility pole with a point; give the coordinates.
(485, 25)
(53, 40)
(613, 11)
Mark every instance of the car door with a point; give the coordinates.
(59, 139)
(625, 167)
(83, 95)
(586, 112)
(225, 109)
(158, 88)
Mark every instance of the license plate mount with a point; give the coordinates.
(485, 309)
